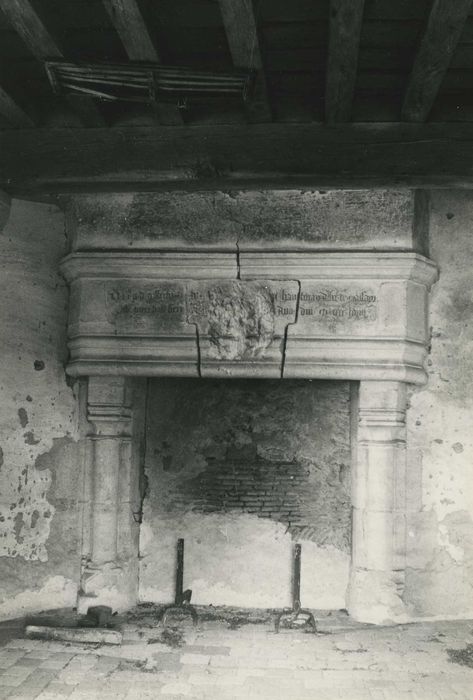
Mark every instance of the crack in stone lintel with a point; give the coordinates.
(286, 330)
(199, 353)
(238, 264)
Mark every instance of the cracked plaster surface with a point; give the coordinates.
(36, 406)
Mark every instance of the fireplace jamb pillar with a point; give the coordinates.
(379, 503)
(110, 576)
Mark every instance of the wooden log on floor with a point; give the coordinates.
(79, 635)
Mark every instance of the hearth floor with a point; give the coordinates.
(226, 659)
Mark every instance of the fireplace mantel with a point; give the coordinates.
(351, 315)
(358, 316)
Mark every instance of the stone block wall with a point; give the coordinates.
(243, 469)
(40, 478)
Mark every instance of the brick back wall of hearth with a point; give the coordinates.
(242, 469)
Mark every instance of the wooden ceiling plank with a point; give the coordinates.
(131, 27)
(242, 36)
(29, 26)
(13, 113)
(438, 43)
(5, 206)
(346, 18)
(257, 156)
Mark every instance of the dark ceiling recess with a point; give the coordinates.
(147, 83)
(328, 61)
(355, 66)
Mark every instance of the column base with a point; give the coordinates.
(111, 584)
(375, 597)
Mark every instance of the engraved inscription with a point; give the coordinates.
(285, 302)
(198, 302)
(146, 301)
(234, 308)
(337, 304)
(145, 307)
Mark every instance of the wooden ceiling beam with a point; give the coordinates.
(277, 156)
(242, 36)
(13, 113)
(30, 27)
(5, 205)
(131, 27)
(344, 40)
(437, 45)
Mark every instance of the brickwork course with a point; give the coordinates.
(225, 661)
(259, 447)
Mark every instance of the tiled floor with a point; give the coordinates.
(216, 662)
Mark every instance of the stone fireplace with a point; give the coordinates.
(354, 323)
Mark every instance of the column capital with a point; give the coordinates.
(109, 406)
(382, 396)
(381, 412)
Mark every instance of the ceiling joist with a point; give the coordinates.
(13, 113)
(242, 36)
(438, 43)
(344, 40)
(131, 27)
(29, 26)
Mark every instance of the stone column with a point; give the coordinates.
(110, 574)
(379, 503)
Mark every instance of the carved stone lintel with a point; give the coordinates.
(349, 316)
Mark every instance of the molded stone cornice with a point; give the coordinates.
(330, 266)
(152, 265)
(355, 316)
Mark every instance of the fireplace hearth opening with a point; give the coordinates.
(243, 469)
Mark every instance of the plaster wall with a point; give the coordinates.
(439, 576)
(243, 469)
(39, 468)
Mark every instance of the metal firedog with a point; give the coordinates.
(296, 618)
(182, 598)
